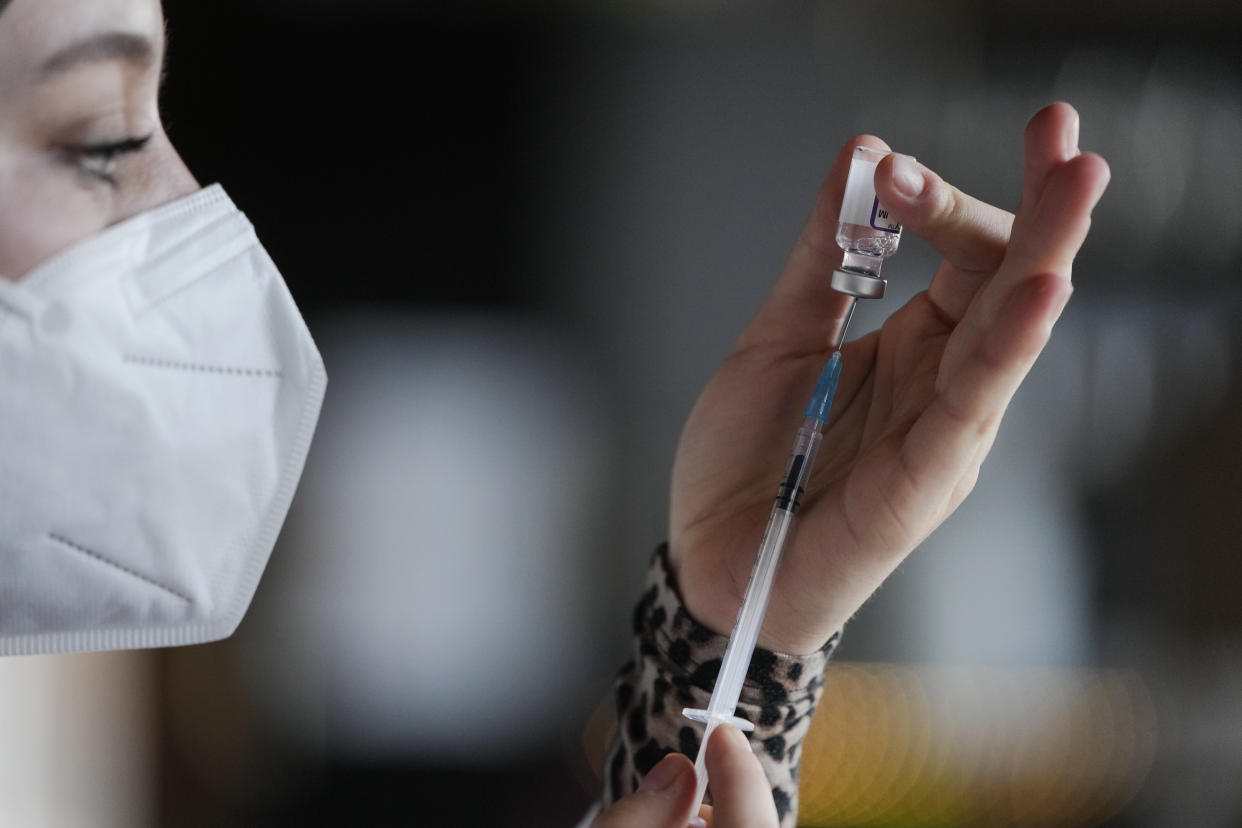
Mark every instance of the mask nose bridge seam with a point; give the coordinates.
(65, 542)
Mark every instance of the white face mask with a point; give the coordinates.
(158, 393)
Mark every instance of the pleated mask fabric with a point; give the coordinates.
(158, 394)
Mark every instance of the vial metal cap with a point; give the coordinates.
(862, 285)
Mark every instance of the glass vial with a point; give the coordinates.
(866, 232)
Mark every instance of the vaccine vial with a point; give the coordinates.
(866, 232)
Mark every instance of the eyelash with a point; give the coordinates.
(99, 160)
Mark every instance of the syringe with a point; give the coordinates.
(741, 646)
(867, 235)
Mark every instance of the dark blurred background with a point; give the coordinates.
(523, 235)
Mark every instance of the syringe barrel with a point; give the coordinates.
(758, 590)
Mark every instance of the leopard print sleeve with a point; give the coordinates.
(675, 663)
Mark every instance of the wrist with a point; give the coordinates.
(713, 599)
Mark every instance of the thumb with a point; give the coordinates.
(741, 794)
(663, 800)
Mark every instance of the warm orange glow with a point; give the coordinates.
(924, 746)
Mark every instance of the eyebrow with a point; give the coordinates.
(125, 46)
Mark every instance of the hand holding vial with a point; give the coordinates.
(917, 405)
(919, 400)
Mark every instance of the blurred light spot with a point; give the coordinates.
(1208, 93)
(438, 574)
(975, 747)
(1164, 147)
(76, 740)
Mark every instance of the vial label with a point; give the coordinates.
(860, 206)
(880, 219)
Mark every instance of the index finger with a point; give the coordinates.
(971, 234)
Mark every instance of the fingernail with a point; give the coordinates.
(907, 176)
(665, 773)
(737, 737)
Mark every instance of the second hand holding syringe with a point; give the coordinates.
(868, 236)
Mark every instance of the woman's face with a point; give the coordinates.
(81, 143)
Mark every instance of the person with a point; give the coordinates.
(166, 377)
(82, 150)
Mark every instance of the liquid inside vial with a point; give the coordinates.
(866, 232)
(855, 238)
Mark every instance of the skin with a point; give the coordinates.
(916, 411)
(742, 795)
(919, 401)
(58, 108)
(917, 408)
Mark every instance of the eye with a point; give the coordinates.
(100, 160)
